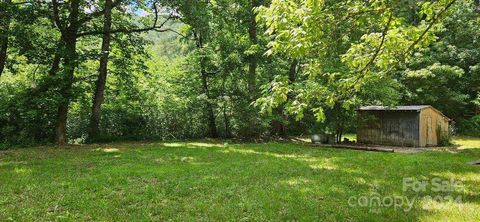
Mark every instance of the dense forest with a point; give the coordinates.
(82, 71)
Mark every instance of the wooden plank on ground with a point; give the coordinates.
(353, 147)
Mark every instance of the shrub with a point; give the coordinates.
(444, 137)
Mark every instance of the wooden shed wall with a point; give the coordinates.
(399, 128)
(432, 123)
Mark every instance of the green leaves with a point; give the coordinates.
(277, 90)
(319, 114)
(438, 71)
(315, 61)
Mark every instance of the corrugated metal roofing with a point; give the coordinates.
(400, 108)
(395, 108)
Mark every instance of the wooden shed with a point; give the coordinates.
(417, 126)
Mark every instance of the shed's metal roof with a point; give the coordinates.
(400, 108)
(395, 108)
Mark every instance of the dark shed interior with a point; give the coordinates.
(390, 128)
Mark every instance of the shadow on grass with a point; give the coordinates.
(220, 181)
(337, 175)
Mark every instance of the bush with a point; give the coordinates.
(26, 117)
(444, 137)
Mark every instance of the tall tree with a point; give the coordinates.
(106, 33)
(69, 31)
(69, 37)
(253, 63)
(102, 71)
(252, 67)
(198, 16)
(199, 37)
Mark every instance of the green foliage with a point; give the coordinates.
(444, 74)
(25, 112)
(469, 127)
(315, 63)
(351, 59)
(305, 30)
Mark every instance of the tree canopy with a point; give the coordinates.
(77, 71)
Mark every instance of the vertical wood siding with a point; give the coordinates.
(431, 124)
(399, 128)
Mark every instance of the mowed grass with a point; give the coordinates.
(191, 181)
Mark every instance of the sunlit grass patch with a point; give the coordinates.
(173, 144)
(449, 210)
(327, 163)
(110, 150)
(467, 142)
(296, 181)
(22, 170)
(218, 181)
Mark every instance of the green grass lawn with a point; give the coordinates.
(218, 181)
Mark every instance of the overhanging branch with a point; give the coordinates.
(410, 48)
(379, 48)
(125, 30)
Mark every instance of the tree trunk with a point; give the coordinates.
(252, 72)
(339, 118)
(212, 126)
(61, 126)
(252, 66)
(226, 120)
(65, 90)
(56, 59)
(102, 72)
(4, 33)
(279, 127)
(69, 37)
